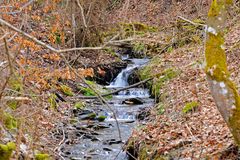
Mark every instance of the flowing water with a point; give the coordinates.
(95, 140)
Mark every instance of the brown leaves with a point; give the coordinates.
(52, 57)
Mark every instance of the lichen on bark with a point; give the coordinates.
(222, 88)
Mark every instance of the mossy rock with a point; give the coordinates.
(6, 150)
(66, 90)
(190, 107)
(86, 91)
(41, 156)
(101, 118)
(79, 105)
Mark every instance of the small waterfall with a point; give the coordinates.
(122, 79)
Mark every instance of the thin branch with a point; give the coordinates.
(82, 13)
(17, 98)
(116, 91)
(189, 21)
(8, 56)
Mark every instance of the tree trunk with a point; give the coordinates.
(222, 88)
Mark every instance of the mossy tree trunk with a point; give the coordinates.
(222, 88)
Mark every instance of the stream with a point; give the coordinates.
(89, 138)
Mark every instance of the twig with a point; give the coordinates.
(193, 23)
(82, 13)
(116, 91)
(8, 56)
(17, 98)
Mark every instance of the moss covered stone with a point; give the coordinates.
(41, 156)
(190, 107)
(6, 150)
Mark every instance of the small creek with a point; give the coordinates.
(90, 139)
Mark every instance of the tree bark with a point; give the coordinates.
(222, 88)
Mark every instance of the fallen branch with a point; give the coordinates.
(191, 22)
(8, 98)
(116, 91)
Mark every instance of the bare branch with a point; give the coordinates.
(82, 13)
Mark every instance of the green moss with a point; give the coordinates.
(89, 92)
(92, 115)
(66, 90)
(13, 104)
(215, 57)
(143, 154)
(139, 47)
(52, 100)
(79, 105)
(15, 83)
(101, 118)
(190, 107)
(6, 150)
(73, 120)
(216, 68)
(9, 121)
(160, 108)
(41, 156)
(86, 91)
(160, 77)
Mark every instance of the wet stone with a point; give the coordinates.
(112, 141)
(133, 101)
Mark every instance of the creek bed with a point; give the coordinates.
(89, 138)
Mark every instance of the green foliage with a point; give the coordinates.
(41, 156)
(170, 49)
(79, 105)
(111, 52)
(6, 150)
(52, 101)
(86, 91)
(13, 104)
(150, 71)
(190, 107)
(15, 83)
(89, 92)
(92, 115)
(66, 90)
(9, 121)
(160, 108)
(139, 47)
(57, 38)
(101, 118)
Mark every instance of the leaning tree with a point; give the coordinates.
(222, 88)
